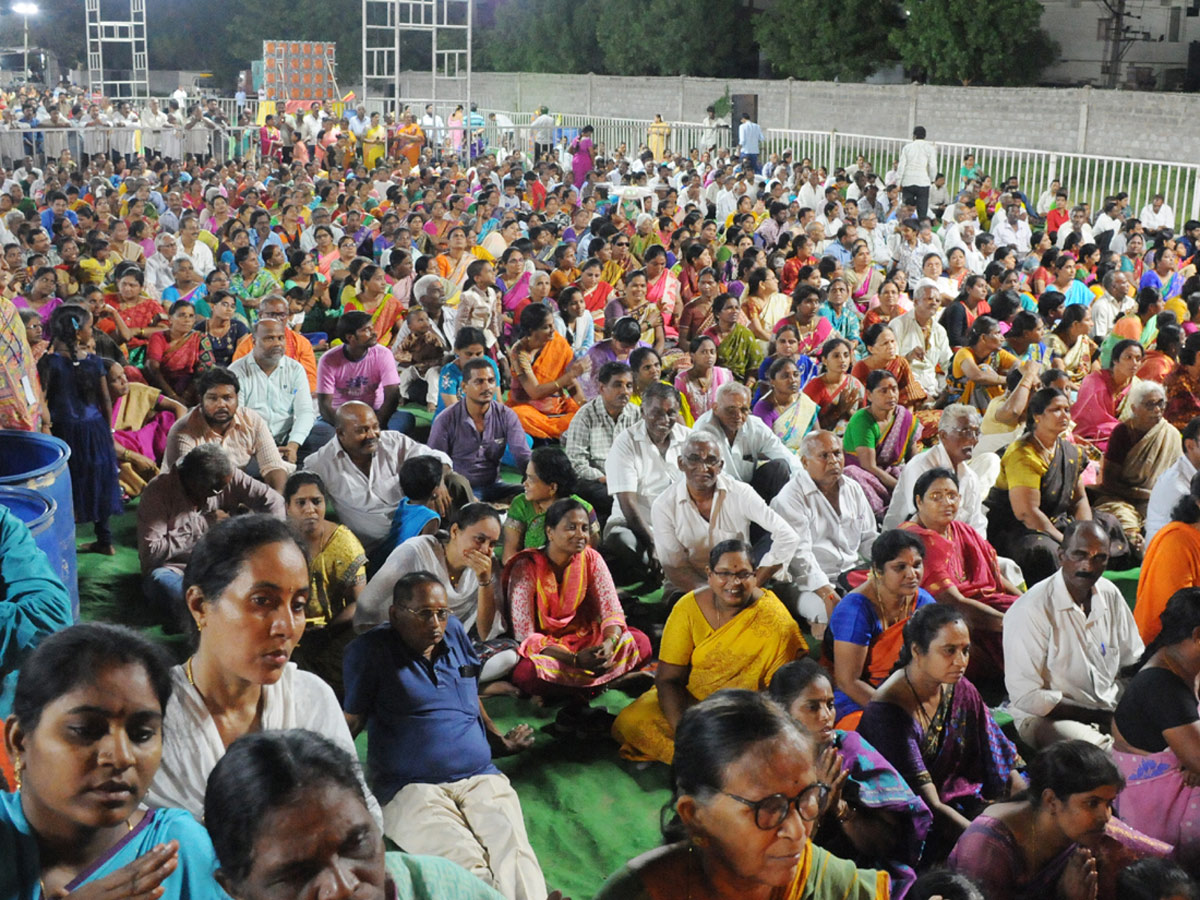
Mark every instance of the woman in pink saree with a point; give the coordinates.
(142, 417)
(514, 287)
(1156, 731)
(1103, 395)
(583, 156)
(662, 289)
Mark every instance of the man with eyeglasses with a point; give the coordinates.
(296, 346)
(707, 507)
(958, 432)
(413, 683)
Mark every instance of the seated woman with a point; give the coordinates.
(1183, 385)
(879, 439)
(574, 322)
(142, 417)
(549, 476)
(247, 590)
(785, 409)
(565, 613)
(85, 735)
(930, 723)
(1060, 839)
(961, 569)
(866, 627)
(647, 370)
(632, 303)
(812, 328)
(1103, 398)
(142, 315)
(697, 316)
(872, 816)
(883, 354)
(222, 327)
(1140, 450)
(299, 782)
(1039, 489)
(1163, 358)
(738, 350)
(837, 393)
(741, 765)
(785, 344)
(545, 393)
(336, 575)
(176, 356)
(374, 298)
(1071, 342)
(698, 385)
(731, 634)
(977, 374)
(1172, 562)
(1156, 731)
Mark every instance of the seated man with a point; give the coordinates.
(361, 471)
(296, 346)
(276, 388)
(833, 521)
(1066, 640)
(469, 343)
(178, 507)
(360, 370)
(1175, 483)
(958, 433)
(430, 748)
(590, 435)
(642, 464)
(706, 507)
(221, 419)
(477, 432)
(922, 340)
(752, 452)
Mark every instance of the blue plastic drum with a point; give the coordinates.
(38, 463)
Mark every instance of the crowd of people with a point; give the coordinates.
(402, 434)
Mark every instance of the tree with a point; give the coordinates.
(676, 37)
(820, 40)
(960, 42)
(542, 36)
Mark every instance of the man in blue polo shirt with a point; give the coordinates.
(414, 683)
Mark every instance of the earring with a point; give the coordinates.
(18, 765)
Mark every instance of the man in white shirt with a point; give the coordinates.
(706, 507)
(708, 137)
(958, 430)
(361, 471)
(1065, 643)
(922, 340)
(642, 464)
(1175, 483)
(320, 216)
(916, 171)
(276, 388)
(159, 276)
(750, 138)
(433, 126)
(1012, 230)
(1078, 223)
(1112, 304)
(751, 451)
(193, 248)
(542, 130)
(1108, 222)
(832, 520)
(1157, 216)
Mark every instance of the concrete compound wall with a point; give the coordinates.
(1156, 126)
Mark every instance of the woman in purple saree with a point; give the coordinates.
(1061, 839)
(930, 723)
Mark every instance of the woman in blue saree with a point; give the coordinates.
(85, 737)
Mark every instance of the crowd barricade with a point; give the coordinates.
(48, 144)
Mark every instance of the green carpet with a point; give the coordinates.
(586, 809)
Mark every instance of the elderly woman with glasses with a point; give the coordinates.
(1140, 450)
(747, 797)
(730, 634)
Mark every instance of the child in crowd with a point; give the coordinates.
(420, 357)
(76, 387)
(33, 332)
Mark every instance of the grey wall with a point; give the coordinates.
(1153, 126)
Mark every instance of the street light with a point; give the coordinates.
(26, 10)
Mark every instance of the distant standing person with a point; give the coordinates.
(916, 170)
(750, 138)
(583, 156)
(542, 129)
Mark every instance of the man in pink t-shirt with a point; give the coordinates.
(358, 370)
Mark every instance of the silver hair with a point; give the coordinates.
(1142, 389)
(957, 414)
(423, 286)
(178, 262)
(1109, 278)
(695, 438)
(810, 440)
(163, 237)
(922, 288)
(731, 387)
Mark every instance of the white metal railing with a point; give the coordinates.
(50, 144)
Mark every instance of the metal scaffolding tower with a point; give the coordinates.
(117, 32)
(447, 26)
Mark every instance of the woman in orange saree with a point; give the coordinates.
(545, 394)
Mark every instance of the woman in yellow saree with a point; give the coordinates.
(732, 635)
(374, 143)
